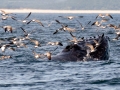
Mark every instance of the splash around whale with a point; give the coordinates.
(91, 49)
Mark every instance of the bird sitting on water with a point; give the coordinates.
(48, 55)
(55, 43)
(71, 17)
(6, 46)
(36, 42)
(68, 17)
(7, 28)
(117, 36)
(38, 55)
(5, 57)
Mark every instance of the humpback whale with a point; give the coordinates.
(91, 49)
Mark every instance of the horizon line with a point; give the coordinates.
(58, 11)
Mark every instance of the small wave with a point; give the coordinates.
(113, 81)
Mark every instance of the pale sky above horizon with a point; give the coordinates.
(62, 4)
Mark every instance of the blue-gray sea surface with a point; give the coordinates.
(24, 72)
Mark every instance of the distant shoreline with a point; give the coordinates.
(58, 11)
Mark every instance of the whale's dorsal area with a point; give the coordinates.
(86, 50)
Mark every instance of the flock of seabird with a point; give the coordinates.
(14, 43)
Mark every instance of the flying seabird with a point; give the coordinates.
(64, 27)
(114, 26)
(91, 47)
(103, 16)
(26, 33)
(81, 25)
(6, 17)
(4, 13)
(97, 23)
(35, 20)
(24, 20)
(74, 39)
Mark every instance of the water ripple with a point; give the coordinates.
(23, 71)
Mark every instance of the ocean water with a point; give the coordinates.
(24, 72)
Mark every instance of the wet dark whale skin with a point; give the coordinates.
(78, 52)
